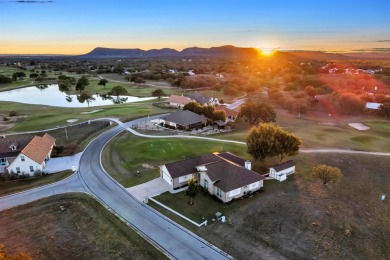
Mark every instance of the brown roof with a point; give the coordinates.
(39, 147)
(178, 99)
(228, 176)
(283, 166)
(226, 169)
(228, 112)
(20, 141)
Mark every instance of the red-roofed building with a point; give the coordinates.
(231, 115)
(178, 101)
(34, 156)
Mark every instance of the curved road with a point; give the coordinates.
(91, 178)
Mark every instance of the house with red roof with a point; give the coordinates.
(34, 155)
(176, 101)
(231, 115)
(224, 175)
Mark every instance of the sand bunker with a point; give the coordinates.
(72, 120)
(90, 112)
(359, 126)
(147, 166)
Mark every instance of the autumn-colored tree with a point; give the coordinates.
(326, 173)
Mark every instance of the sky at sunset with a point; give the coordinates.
(76, 27)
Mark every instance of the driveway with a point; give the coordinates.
(149, 189)
(63, 163)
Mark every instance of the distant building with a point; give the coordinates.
(177, 101)
(203, 100)
(281, 171)
(184, 120)
(231, 115)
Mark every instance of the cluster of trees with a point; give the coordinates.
(255, 113)
(65, 82)
(18, 75)
(4, 79)
(267, 140)
(85, 97)
(208, 111)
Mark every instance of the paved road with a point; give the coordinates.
(176, 241)
(237, 103)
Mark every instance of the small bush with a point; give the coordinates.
(13, 113)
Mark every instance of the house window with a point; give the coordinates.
(31, 168)
(13, 147)
(22, 158)
(206, 184)
(3, 161)
(17, 169)
(219, 193)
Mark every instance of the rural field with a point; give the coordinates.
(314, 220)
(83, 230)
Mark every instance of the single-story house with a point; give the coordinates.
(231, 115)
(224, 175)
(281, 171)
(203, 100)
(185, 120)
(34, 155)
(372, 105)
(177, 101)
(10, 147)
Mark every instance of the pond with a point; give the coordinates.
(50, 95)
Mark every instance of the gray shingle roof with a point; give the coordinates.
(199, 98)
(283, 166)
(19, 140)
(185, 118)
(221, 168)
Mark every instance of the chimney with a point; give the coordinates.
(248, 165)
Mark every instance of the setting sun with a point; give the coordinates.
(266, 51)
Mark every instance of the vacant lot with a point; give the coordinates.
(84, 230)
(322, 132)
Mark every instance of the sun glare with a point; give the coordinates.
(266, 51)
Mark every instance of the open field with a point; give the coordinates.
(39, 117)
(126, 154)
(9, 187)
(302, 218)
(84, 230)
(320, 132)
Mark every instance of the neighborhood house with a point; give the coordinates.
(231, 115)
(177, 101)
(184, 120)
(281, 171)
(31, 158)
(224, 175)
(203, 100)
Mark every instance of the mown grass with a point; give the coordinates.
(126, 154)
(10, 187)
(84, 230)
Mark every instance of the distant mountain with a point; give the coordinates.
(223, 51)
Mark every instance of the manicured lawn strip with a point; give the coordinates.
(126, 154)
(40, 117)
(10, 187)
(84, 230)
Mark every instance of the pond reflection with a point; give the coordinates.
(51, 95)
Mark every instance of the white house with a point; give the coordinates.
(224, 175)
(281, 171)
(33, 157)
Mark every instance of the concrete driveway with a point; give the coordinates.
(149, 189)
(63, 163)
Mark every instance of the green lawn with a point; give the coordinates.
(318, 133)
(39, 117)
(9, 187)
(126, 154)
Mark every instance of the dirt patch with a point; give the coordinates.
(147, 166)
(82, 229)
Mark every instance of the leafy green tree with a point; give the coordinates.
(34, 75)
(117, 91)
(18, 75)
(255, 113)
(158, 93)
(326, 173)
(5, 79)
(103, 82)
(267, 140)
(192, 190)
(139, 80)
(384, 109)
(82, 83)
(193, 107)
